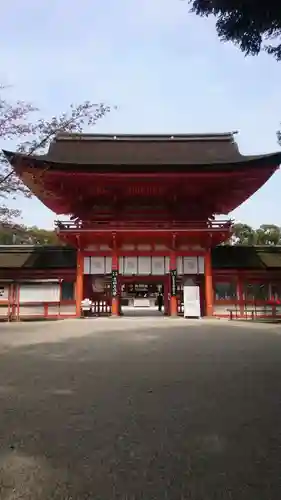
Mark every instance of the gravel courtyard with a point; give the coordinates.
(149, 408)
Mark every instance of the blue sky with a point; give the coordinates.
(163, 67)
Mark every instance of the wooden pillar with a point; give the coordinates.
(173, 284)
(240, 297)
(79, 281)
(166, 295)
(114, 285)
(209, 294)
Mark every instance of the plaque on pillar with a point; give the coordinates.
(114, 288)
(173, 283)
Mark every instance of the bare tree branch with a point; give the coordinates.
(34, 136)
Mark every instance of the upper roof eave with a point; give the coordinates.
(41, 161)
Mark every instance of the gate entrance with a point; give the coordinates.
(144, 296)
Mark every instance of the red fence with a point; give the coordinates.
(12, 311)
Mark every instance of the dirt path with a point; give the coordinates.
(150, 410)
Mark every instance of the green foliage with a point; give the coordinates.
(16, 234)
(252, 25)
(243, 234)
(266, 234)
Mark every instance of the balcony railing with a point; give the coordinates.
(77, 226)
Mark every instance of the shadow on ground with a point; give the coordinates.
(148, 414)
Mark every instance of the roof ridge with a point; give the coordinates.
(72, 136)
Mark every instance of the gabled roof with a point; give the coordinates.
(270, 257)
(247, 257)
(236, 257)
(36, 257)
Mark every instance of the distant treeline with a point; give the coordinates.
(243, 234)
(16, 234)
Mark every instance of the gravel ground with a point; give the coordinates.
(140, 409)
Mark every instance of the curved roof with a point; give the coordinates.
(89, 152)
(208, 167)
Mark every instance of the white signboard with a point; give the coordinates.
(141, 302)
(191, 300)
(39, 292)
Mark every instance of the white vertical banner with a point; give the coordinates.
(121, 265)
(201, 265)
(190, 265)
(180, 265)
(87, 266)
(108, 265)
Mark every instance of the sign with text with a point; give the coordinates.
(114, 288)
(173, 283)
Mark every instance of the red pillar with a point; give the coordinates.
(209, 294)
(114, 285)
(79, 281)
(173, 287)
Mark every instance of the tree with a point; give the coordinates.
(243, 235)
(251, 24)
(268, 234)
(33, 135)
(17, 234)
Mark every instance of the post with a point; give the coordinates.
(209, 294)
(79, 281)
(114, 285)
(173, 284)
(239, 293)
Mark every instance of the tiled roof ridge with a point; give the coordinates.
(73, 136)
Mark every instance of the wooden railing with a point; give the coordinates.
(219, 225)
(16, 311)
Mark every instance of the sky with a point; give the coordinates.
(162, 67)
